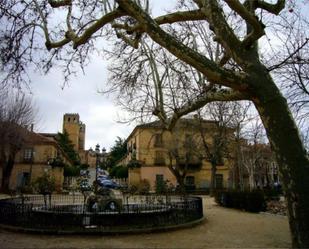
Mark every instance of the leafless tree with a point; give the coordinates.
(241, 73)
(183, 151)
(17, 114)
(219, 147)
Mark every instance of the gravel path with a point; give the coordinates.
(224, 228)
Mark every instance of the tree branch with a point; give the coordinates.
(109, 17)
(224, 33)
(59, 3)
(289, 57)
(202, 100)
(257, 27)
(209, 68)
(180, 16)
(272, 8)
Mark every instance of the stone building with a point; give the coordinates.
(150, 147)
(36, 157)
(76, 130)
(77, 134)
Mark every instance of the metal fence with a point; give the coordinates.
(63, 213)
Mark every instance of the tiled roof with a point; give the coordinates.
(183, 122)
(180, 122)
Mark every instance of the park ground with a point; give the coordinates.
(223, 228)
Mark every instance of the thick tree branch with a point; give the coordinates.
(180, 16)
(224, 33)
(272, 8)
(211, 70)
(256, 26)
(202, 100)
(59, 3)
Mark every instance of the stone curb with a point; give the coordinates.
(93, 231)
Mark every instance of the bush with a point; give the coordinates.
(71, 170)
(132, 189)
(84, 166)
(134, 164)
(189, 188)
(143, 187)
(45, 184)
(255, 201)
(119, 172)
(162, 187)
(272, 193)
(250, 201)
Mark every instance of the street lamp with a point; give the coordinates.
(103, 157)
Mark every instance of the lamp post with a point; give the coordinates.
(104, 157)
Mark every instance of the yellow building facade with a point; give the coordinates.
(35, 158)
(156, 150)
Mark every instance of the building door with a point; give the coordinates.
(23, 179)
(219, 181)
(159, 179)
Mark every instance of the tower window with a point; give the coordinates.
(69, 119)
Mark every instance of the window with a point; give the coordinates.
(159, 158)
(190, 180)
(159, 179)
(219, 181)
(28, 154)
(158, 142)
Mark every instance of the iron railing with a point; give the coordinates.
(63, 213)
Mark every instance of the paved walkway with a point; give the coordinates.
(224, 228)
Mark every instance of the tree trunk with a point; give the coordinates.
(6, 174)
(213, 179)
(181, 183)
(290, 154)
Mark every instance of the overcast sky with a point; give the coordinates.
(98, 112)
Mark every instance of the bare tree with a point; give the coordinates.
(17, 114)
(183, 150)
(241, 74)
(219, 148)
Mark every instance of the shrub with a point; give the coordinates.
(71, 170)
(134, 164)
(162, 187)
(84, 166)
(143, 187)
(119, 172)
(45, 184)
(132, 189)
(56, 162)
(255, 201)
(250, 201)
(272, 193)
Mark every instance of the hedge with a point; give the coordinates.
(253, 201)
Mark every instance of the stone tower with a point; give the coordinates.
(76, 130)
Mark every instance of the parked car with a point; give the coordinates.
(84, 185)
(84, 173)
(107, 183)
(103, 177)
